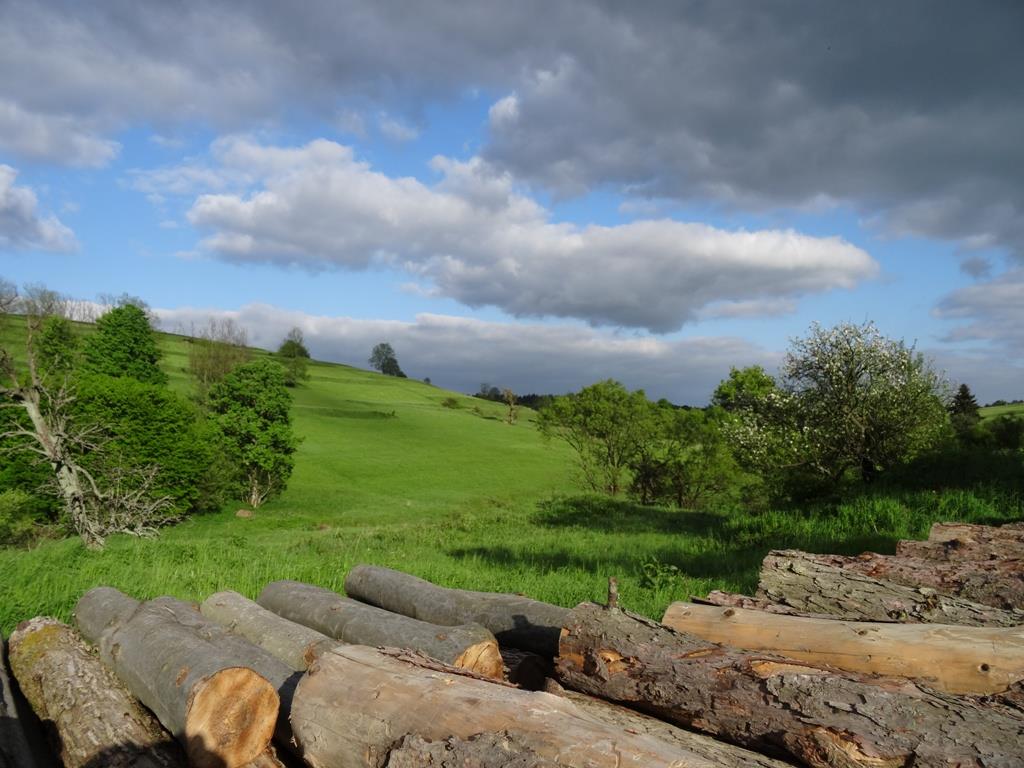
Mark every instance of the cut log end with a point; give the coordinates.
(230, 719)
(483, 659)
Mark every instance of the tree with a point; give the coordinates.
(963, 411)
(8, 296)
(743, 389)
(606, 425)
(251, 406)
(850, 399)
(383, 359)
(39, 301)
(218, 348)
(294, 357)
(124, 345)
(513, 408)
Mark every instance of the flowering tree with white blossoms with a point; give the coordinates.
(849, 399)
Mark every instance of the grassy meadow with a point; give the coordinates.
(1010, 409)
(390, 473)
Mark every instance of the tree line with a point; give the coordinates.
(95, 441)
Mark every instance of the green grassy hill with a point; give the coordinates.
(387, 474)
(991, 411)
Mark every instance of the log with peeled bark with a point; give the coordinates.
(998, 583)
(515, 620)
(818, 715)
(952, 659)
(223, 712)
(14, 745)
(293, 644)
(89, 715)
(468, 646)
(359, 706)
(963, 541)
(733, 600)
(800, 581)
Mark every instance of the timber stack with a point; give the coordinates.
(914, 659)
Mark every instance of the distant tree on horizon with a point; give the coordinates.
(383, 359)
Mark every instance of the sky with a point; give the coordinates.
(534, 195)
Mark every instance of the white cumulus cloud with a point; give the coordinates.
(22, 226)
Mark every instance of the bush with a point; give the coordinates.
(17, 517)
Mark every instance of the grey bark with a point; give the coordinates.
(515, 620)
(14, 745)
(200, 688)
(293, 644)
(800, 581)
(817, 715)
(998, 583)
(962, 541)
(469, 645)
(87, 711)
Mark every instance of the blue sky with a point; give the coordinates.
(527, 195)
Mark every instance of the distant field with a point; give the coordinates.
(1001, 410)
(386, 474)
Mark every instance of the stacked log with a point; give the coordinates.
(85, 709)
(952, 659)
(468, 646)
(813, 713)
(14, 747)
(223, 712)
(515, 620)
(962, 541)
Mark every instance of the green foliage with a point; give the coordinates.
(55, 347)
(383, 359)
(145, 425)
(19, 516)
(124, 345)
(743, 389)
(294, 356)
(964, 413)
(218, 348)
(1005, 432)
(606, 425)
(251, 407)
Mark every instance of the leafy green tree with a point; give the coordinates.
(605, 425)
(214, 351)
(251, 407)
(56, 346)
(743, 389)
(294, 357)
(383, 359)
(124, 345)
(850, 399)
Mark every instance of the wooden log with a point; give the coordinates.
(953, 659)
(818, 715)
(733, 600)
(961, 541)
(525, 669)
(293, 644)
(468, 646)
(516, 621)
(999, 583)
(88, 713)
(359, 706)
(621, 718)
(14, 744)
(799, 580)
(222, 712)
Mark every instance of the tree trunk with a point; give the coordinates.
(14, 747)
(718, 753)
(88, 713)
(468, 646)
(998, 583)
(515, 620)
(525, 669)
(223, 712)
(961, 541)
(817, 715)
(732, 600)
(360, 706)
(960, 660)
(290, 643)
(799, 580)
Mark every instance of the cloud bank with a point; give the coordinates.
(22, 226)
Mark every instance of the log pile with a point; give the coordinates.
(915, 660)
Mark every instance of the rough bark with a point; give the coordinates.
(525, 669)
(733, 600)
(515, 620)
(223, 712)
(359, 706)
(961, 541)
(802, 582)
(816, 714)
(960, 660)
(293, 644)
(14, 745)
(620, 718)
(999, 583)
(468, 646)
(86, 710)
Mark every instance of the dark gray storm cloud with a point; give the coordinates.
(909, 112)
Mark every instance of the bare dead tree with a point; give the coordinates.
(121, 501)
(215, 350)
(512, 402)
(38, 301)
(8, 296)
